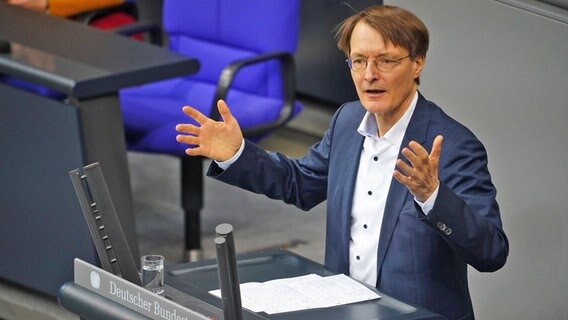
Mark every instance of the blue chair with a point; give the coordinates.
(245, 51)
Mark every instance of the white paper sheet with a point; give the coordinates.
(301, 293)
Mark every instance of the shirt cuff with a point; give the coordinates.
(224, 165)
(429, 203)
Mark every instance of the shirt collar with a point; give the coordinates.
(368, 127)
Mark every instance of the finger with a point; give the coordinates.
(187, 128)
(418, 149)
(195, 114)
(405, 180)
(398, 176)
(195, 151)
(188, 139)
(404, 167)
(224, 111)
(411, 156)
(437, 148)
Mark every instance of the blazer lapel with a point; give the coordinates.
(417, 129)
(350, 177)
(351, 154)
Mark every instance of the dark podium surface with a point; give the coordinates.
(79, 60)
(42, 139)
(197, 278)
(187, 286)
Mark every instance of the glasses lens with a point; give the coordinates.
(357, 65)
(382, 64)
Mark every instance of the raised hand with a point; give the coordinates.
(421, 176)
(217, 140)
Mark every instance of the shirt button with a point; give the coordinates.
(358, 258)
(365, 226)
(376, 158)
(369, 192)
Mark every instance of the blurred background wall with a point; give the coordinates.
(500, 68)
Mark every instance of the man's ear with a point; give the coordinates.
(418, 64)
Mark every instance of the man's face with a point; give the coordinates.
(386, 94)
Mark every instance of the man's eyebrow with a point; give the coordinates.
(381, 55)
(386, 55)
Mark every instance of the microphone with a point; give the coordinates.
(228, 273)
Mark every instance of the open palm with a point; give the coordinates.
(217, 140)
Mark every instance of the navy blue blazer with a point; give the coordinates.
(422, 259)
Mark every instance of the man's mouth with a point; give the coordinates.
(374, 91)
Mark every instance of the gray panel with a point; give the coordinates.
(555, 10)
(42, 227)
(502, 72)
(559, 3)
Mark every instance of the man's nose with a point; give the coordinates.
(371, 71)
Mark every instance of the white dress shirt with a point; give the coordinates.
(376, 167)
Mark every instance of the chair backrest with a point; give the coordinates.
(218, 32)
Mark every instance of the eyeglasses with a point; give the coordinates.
(383, 64)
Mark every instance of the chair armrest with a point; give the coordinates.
(288, 81)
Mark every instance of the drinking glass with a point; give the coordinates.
(153, 273)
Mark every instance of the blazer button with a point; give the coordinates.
(441, 225)
(448, 231)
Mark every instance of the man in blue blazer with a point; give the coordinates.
(399, 218)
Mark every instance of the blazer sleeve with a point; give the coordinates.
(302, 182)
(466, 213)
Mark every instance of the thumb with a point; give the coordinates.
(436, 149)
